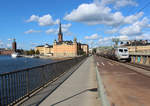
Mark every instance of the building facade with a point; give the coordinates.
(14, 45)
(63, 48)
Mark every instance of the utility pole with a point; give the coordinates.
(116, 40)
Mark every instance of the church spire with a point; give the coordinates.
(60, 32)
(60, 35)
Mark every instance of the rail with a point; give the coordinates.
(17, 85)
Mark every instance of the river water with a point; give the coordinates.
(9, 64)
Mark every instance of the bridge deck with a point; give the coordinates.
(80, 89)
(125, 85)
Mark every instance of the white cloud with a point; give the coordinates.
(92, 37)
(8, 45)
(45, 20)
(10, 39)
(1, 43)
(111, 31)
(33, 18)
(105, 41)
(52, 31)
(123, 38)
(118, 3)
(31, 31)
(133, 18)
(145, 36)
(65, 29)
(136, 28)
(34, 43)
(93, 14)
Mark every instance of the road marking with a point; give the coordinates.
(97, 64)
(102, 63)
(110, 63)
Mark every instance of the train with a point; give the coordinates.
(118, 54)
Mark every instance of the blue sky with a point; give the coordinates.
(95, 22)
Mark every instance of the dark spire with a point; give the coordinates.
(60, 35)
(60, 32)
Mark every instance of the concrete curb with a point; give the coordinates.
(101, 91)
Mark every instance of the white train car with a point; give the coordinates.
(121, 54)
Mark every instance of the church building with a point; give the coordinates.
(63, 48)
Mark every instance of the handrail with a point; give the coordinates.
(17, 85)
(38, 66)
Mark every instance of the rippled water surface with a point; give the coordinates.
(8, 64)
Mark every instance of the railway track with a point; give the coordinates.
(132, 80)
(145, 69)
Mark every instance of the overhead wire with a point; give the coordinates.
(143, 7)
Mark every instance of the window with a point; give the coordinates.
(125, 50)
(120, 50)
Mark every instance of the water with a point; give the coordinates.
(9, 64)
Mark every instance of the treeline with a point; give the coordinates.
(28, 52)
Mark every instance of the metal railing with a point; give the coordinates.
(14, 86)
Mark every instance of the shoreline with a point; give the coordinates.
(49, 57)
(55, 58)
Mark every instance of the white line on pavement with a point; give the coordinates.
(110, 63)
(97, 64)
(102, 63)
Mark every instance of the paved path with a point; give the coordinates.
(78, 90)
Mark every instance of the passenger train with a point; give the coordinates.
(119, 54)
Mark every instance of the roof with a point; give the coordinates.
(66, 42)
(40, 46)
(84, 44)
(50, 46)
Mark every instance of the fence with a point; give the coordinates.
(14, 86)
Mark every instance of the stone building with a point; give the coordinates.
(45, 49)
(85, 48)
(63, 48)
(137, 45)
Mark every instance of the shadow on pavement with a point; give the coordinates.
(91, 90)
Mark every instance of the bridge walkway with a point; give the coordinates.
(80, 89)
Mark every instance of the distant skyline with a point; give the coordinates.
(95, 22)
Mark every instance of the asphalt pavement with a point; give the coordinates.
(80, 89)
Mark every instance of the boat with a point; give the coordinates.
(14, 55)
(35, 56)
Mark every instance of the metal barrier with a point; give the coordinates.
(14, 86)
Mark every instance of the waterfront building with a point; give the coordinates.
(14, 45)
(45, 49)
(63, 48)
(137, 46)
(8, 51)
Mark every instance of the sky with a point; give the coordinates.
(94, 22)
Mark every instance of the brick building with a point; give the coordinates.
(63, 48)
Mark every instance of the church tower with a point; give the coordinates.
(60, 35)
